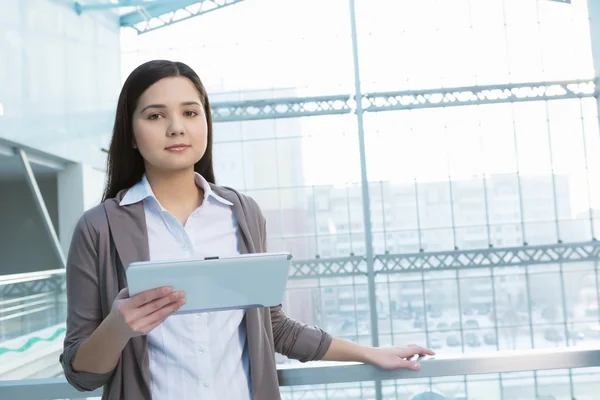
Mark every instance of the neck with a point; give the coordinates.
(176, 191)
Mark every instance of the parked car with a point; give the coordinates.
(576, 336)
(483, 309)
(471, 324)
(419, 323)
(490, 339)
(591, 312)
(404, 314)
(550, 313)
(453, 341)
(553, 335)
(472, 340)
(442, 326)
(593, 332)
(435, 343)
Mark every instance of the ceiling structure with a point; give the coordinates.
(148, 15)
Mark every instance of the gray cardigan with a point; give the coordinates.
(106, 239)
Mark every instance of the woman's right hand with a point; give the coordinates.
(138, 315)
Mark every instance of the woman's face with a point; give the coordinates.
(169, 125)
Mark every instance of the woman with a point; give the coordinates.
(161, 202)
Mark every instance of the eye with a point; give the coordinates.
(190, 113)
(154, 116)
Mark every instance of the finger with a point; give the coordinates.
(157, 304)
(158, 315)
(149, 328)
(149, 295)
(410, 352)
(415, 366)
(123, 294)
(427, 352)
(418, 350)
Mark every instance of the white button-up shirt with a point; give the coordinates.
(202, 356)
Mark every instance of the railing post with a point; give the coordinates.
(365, 192)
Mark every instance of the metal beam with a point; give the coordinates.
(448, 365)
(364, 185)
(36, 156)
(41, 206)
(594, 17)
(31, 283)
(340, 104)
(478, 95)
(485, 258)
(322, 268)
(158, 16)
(24, 284)
(329, 267)
(448, 260)
(81, 8)
(401, 100)
(249, 110)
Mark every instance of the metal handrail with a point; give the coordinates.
(328, 373)
(30, 276)
(4, 303)
(454, 365)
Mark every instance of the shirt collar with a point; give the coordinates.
(142, 190)
(208, 192)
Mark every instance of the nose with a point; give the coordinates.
(175, 127)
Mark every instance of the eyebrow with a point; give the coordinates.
(185, 103)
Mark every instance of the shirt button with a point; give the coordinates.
(198, 316)
(200, 350)
(206, 384)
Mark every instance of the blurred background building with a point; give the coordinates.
(432, 165)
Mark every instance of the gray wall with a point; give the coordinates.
(24, 244)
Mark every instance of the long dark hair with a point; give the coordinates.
(125, 165)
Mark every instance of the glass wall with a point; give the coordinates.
(507, 189)
(479, 178)
(59, 78)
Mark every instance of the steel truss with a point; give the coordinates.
(387, 264)
(450, 260)
(485, 258)
(401, 100)
(50, 283)
(150, 18)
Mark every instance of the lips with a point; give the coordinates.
(178, 147)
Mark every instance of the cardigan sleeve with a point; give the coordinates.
(292, 338)
(84, 313)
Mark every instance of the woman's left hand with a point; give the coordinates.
(397, 357)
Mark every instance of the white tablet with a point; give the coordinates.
(217, 283)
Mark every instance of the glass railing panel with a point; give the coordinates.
(32, 324)
(30, 302)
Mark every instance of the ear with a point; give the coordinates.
(134, 144)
